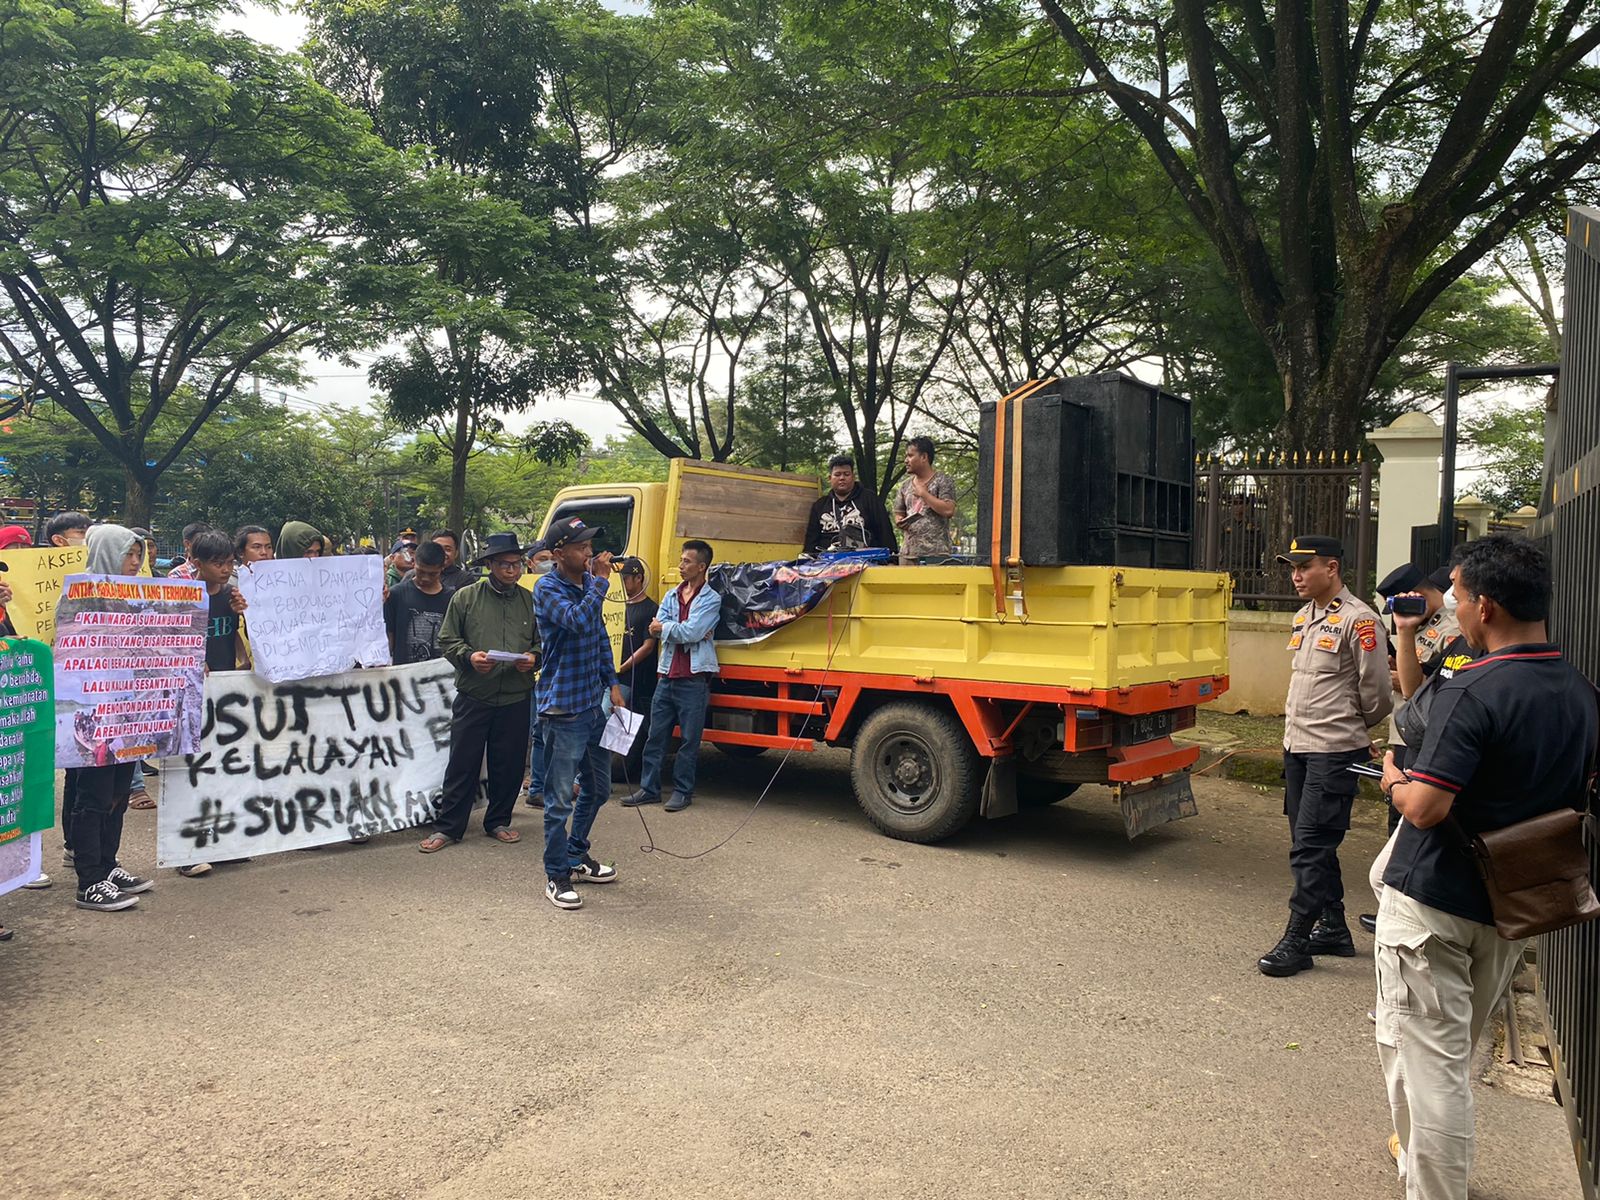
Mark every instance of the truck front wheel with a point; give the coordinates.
(915, 772)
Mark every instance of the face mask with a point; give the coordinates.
(1450, 600)
(542, 568)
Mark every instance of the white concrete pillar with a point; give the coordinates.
(1408, 484)
(1523, 517)
(1475, 513)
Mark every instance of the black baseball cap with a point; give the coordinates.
(631, 566)
(1312, 545)
(571, 530)
(1403, 578)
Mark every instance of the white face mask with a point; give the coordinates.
(1450, 600)
(543, 568)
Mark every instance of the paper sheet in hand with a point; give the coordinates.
(622, 727)
(506, 656)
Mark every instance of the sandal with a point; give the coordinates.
(142, 801)
(505, 834)
(433, 843)
(5, 934)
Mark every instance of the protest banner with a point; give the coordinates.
(287, 766)
(314, 616)
(35, 575)
(130, 658)
(27, 739)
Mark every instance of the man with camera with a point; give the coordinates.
(1510, 737)
(1339, 689)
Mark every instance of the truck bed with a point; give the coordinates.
(1089, 628)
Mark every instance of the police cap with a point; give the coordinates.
(1312, 545)
(1403, 578)
(1439, 579)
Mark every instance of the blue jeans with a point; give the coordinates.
(536, 754)
(572, 749)
(680, 702)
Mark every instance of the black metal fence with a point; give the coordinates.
(1569, 525)
(1247, 510)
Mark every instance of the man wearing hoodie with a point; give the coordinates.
(847, 516)
(298, 540)
(101, 793)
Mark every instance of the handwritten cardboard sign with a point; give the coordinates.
(314, 616)
(36, 575)
(287, 766)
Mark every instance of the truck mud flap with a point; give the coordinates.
(1000, 787)
(1154, 802)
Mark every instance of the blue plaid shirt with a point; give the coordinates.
(577, 666)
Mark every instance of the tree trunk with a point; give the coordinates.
(460, 452)
(139, 497)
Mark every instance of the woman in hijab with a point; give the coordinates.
(298, 540)
(12, 537)
(101, 793)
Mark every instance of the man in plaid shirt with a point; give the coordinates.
(575, 673)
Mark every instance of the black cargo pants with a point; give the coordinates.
(1317, 795)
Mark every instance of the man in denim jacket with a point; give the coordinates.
(685, 625)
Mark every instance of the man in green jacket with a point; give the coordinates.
(490, 637)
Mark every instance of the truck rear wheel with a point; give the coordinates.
(915, 772)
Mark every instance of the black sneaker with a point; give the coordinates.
(127, 882)
(679, 802)
(560, 892)
(590, 871)
(105, 897)
(639, 798)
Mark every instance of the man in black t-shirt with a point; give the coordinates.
(415, 608)
(1510, 737)
(637, 670)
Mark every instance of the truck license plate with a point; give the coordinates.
(1145, 727)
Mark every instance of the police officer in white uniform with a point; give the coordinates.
(1338, 691)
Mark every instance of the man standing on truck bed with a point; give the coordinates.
(847, 516)
(924, 506)
(685, 624)
(1339, 690)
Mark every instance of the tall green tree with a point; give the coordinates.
(1348, 164)
(510, 308)
(179, 207)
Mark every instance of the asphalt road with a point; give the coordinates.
(1035, 1009)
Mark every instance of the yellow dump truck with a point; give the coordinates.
(952, 704)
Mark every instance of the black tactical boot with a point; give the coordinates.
(1292, 954)
(1331, 935)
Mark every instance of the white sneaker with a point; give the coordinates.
(39, 884)
(561, 893)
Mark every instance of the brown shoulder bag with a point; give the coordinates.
(1537, 871)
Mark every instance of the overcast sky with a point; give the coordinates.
(334, 383)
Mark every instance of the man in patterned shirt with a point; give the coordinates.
(924, 506)
(575, 675)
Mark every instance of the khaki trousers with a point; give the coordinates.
(1439, 978)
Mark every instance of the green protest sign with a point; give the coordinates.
(27, 738)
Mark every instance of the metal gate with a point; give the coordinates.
(1247, 509)
(1569, 525)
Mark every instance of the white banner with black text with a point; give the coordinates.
(286, 766)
